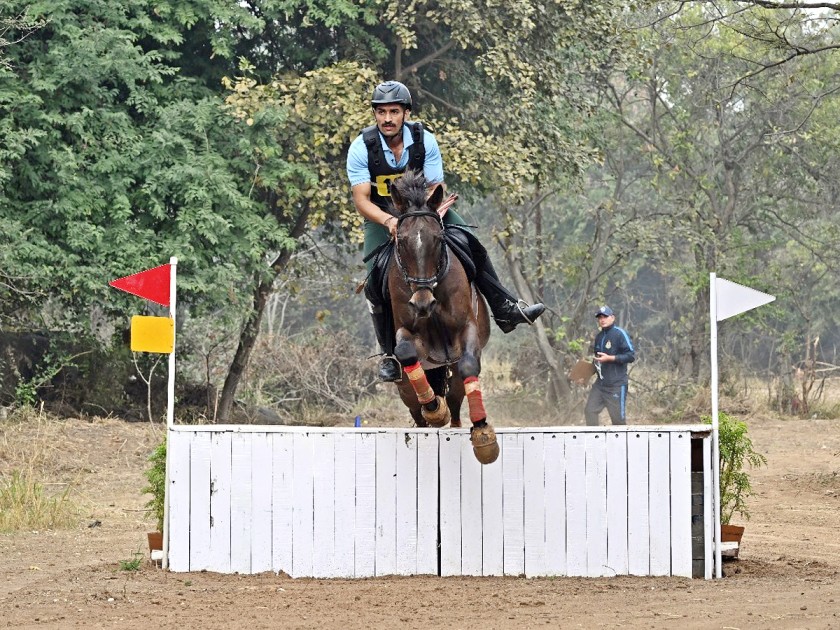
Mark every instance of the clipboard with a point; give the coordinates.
(582, 372)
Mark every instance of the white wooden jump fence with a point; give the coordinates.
(359, 502)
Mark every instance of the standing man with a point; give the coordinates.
(613, 351)
(378, 156)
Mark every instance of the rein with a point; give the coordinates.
(429, 282)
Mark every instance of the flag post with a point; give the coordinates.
(726, 299)
(715, 425)
(170, 410)
(157, 334)
(170, 406)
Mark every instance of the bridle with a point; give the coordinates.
(443, 260)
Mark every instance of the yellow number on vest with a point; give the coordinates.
(383, 184)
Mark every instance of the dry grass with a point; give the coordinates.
(36, 491)
(25, 504)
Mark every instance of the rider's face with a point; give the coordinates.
(390, 118)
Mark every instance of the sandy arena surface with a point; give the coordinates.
(787, 576)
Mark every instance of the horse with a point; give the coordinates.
(440, 318)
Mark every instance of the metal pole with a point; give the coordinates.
(715, 434)
(170, 409)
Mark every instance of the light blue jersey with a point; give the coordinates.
(357, 158)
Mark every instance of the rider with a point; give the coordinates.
(382, 153)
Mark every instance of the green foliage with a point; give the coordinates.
(736, 453)
(133, 564)
(116, 155)
(156, 487)
(26, 391)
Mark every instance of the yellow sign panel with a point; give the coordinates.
(152, 334)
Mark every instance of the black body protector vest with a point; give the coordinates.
(382, 174)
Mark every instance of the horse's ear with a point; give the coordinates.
(397, 198)
(435, 199)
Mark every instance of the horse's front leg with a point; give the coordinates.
(482, 434)
(433, 408)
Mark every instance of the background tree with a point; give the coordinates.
(714, 137)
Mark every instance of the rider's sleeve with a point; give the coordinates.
(357, 163)
(433, 166)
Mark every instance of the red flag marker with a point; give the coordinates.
(152, 284)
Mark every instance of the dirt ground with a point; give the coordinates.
(787, 576)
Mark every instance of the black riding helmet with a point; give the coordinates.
(391, 92)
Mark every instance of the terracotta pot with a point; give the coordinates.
(155, 541)
(731, 533)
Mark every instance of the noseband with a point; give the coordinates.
(443, 260)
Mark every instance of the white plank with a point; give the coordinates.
(345, 504)
(220, 491)
(386, 503)
(596, 505)
(427, 503)
(261, 489)
(364, 537)
(660, 504)
(323, 505)
(282, 501)
(638, 520)
(179, 500)
(681, 504)
(576, 504)
(492, 540)
(708, 497)
(241, 524)
(450, 503)
(302, 516)
(406, 497)
(471, 525)
(513, 504)
(200, 502)
(534, 508)
(555, 504)
(617, 558)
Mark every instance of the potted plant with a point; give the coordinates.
(156, 477)
(736, 454)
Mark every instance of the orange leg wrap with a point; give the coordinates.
(421, 386)
(474, 399)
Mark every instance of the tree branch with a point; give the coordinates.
(425, 60)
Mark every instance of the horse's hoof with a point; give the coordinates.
(439, 417)
(484, 443)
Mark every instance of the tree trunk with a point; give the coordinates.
(251, 329)
(559, 388)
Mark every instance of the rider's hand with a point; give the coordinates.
(390, 224)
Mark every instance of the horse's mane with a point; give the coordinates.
(412, 187)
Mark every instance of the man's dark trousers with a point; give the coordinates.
(614, 398)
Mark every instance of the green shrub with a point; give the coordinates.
(156, 477)
(736, 452)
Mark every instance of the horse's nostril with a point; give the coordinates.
(422, 302)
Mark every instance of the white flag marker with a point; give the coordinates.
(734, 299)
(726, 299)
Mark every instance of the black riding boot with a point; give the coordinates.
(389, 367)
(505, 307)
